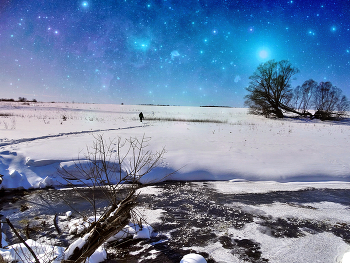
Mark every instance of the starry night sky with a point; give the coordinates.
(184, 52)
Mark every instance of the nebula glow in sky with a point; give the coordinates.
(184, 52)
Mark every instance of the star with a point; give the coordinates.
(263, 54)
(182, 44)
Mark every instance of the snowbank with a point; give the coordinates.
(193, 258)
(346, 258)
(45, 253)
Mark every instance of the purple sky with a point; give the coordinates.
(165, 52)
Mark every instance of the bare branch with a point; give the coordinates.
(22, 240)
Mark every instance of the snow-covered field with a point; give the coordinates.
(35, 140)
(258, 155)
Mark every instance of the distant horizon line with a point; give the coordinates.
(141, 104)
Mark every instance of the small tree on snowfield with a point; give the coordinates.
(269, 88)
(303, 97)
(329, 102)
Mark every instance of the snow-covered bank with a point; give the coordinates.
(55, 254)
(35, 141)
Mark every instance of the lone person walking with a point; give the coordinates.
(141, 116)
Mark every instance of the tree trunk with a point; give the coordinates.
(117, 218)
(279, 113)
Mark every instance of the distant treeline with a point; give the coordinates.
(212, 106)
(20, 99)
(178, 105)
(156, 105)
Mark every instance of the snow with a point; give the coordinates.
(98, 256)
(346, 258)
(20, 253)
(56, 254)
(68, 214)
(320, 247)
(323, 247)
(243, 186)
(327, 212)
(3, 237)
(48, 253)
(133, 230)
(193, 258)
(255, 154)
(244, 146)
(79, 243)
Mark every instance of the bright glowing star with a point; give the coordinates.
(148, 5)
(251, 29)
(85, 4)
(214, 31)
(333, 29)
(201, 51)
(347, 51)
(263, 54)
(56, 32)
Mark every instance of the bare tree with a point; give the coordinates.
(112, 165)
(302, 97)
(342, 107)
(270, 93)
(115, 167)
(22, 99)
(269, 89)
(329, 102)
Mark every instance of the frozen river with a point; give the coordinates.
(310, 224)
